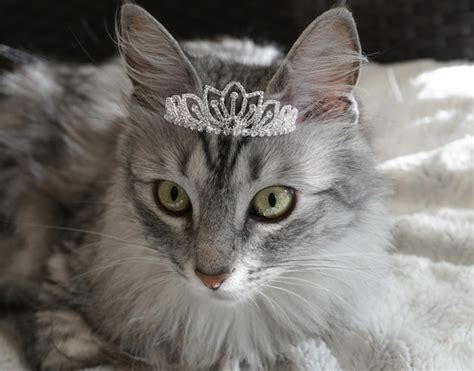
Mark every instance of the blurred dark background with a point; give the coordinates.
(390, 30)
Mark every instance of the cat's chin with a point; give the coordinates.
(220, 297)
(226, 298)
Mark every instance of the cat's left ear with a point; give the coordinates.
(320, 71)
(155, 62)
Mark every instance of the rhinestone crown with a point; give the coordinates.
(231, 111)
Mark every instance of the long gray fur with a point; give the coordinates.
(104, 277)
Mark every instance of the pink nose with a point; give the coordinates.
(212, 282)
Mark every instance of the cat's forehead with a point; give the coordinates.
(233, 164)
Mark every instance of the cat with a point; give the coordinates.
(101, 263)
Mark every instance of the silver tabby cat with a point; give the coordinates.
(100, 263)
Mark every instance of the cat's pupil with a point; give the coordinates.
(174, 193)
(272, 200)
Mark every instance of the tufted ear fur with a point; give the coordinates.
(322, 68)
(155, 62)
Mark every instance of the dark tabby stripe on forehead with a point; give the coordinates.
(205, 140)
(256, 164)
(184, 162)
(221, 154)
(239, 145)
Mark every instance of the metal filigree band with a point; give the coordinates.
(231, 111)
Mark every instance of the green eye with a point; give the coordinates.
(172, 197)
(273, 202)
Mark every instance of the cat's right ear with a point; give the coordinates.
(321, 70)
(155, 62)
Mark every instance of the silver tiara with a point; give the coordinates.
(231, 111)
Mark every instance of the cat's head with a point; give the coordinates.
(266, 215)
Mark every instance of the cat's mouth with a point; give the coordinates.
(220, 295)
(223, 296)
(222, 289)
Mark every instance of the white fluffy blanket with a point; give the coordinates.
(423, 114)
